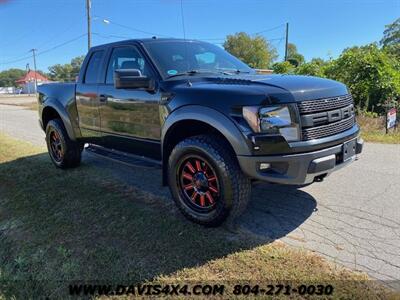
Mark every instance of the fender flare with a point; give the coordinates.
(62, 112)
(212, 117)
(206, 115)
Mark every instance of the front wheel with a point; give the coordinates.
(206, 181)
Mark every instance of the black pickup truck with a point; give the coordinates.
(213, 122)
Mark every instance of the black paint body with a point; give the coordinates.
(144, 122)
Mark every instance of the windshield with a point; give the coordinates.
(192, 57)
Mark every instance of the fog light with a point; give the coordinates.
(264, 166)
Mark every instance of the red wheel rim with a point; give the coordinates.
(56, 146)
(199, 184)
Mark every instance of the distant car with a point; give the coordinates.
(213, 123)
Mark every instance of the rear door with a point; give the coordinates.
(130, 118)
(87, 100)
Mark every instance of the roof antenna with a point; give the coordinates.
(183, 21)
(184, 38)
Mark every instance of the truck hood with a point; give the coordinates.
(259, 89)
(301, 87)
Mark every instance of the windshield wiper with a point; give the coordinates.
(231, 72)
(191, 72)
(194, 72)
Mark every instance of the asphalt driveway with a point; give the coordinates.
(352, 218)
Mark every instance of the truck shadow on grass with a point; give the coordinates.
(273, 212)
(88, 224)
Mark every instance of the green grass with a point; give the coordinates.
(81, 225)
(29, 105)
(381, 137)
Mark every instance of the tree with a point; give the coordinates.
(391, 39)
(391, 35)
(370, 74)
(316, 67)
(8, 77)
(66, 72)
(284, 67)
(255, 51)
(294, 57)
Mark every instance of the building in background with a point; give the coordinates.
(27, 82)
(9, 90)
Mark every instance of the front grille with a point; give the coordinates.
(312, 106)
(327, 130)
(320, 125)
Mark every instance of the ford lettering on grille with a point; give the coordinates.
(325, 117)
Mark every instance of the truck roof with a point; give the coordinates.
(143, 41)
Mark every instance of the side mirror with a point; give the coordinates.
(132, 79)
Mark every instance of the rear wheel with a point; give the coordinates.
(64, 152)
(206, 181)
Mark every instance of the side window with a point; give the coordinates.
(93, 68)
(125, 58)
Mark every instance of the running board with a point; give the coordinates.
(122, 157)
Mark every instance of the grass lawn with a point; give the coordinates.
(26, 105)
(373, 130)
(80, 225)
(31, 106)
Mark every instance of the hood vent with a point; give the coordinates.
(235, 81)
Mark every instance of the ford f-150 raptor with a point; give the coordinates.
(213, 123)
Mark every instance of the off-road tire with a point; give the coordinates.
(235, 187)
(71, 150)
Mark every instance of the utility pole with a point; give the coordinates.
(89, 33)
(34, 66)
(27, 68)
(287, 41)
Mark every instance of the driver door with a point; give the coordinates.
(130, 119)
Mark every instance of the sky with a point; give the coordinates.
(57, 28)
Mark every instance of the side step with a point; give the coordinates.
(122, 157)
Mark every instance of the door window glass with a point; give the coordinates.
(92, 70)
(125, 58)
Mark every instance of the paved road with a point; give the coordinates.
(21, 123)
(352, 218)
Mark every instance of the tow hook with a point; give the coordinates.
(320, 178)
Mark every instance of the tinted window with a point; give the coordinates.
(93, 68)
(126, 58)
(175, 57)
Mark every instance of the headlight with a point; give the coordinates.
(277, 119)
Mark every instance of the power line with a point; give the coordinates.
(130, 28)
(270, 29)
(62, 44)
(45, 51)
(223, 39)
(255, 33)
(56, 36)
(111, 36)
(15, 60)
(108, 21)
(251, 34)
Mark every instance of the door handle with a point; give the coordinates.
(103, 98)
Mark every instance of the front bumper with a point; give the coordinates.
(300, 168)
